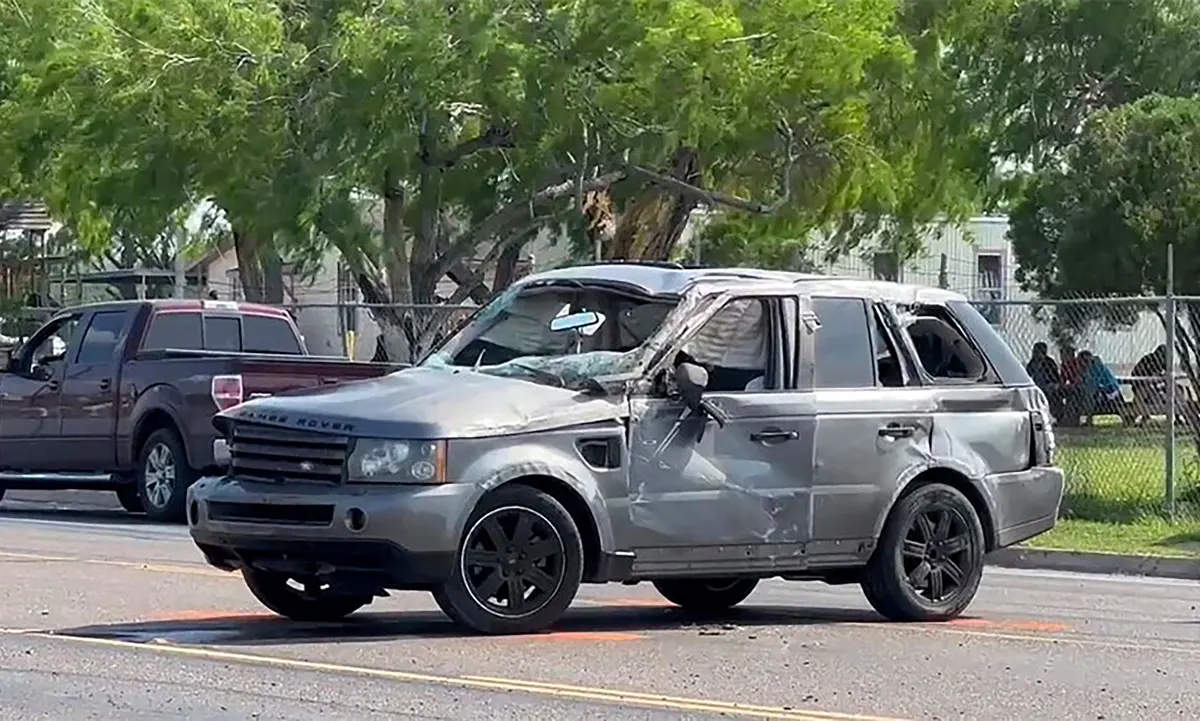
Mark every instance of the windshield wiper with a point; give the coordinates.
(540, 375)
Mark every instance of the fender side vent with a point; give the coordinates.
(600, 452)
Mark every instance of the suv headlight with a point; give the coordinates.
(383, 461)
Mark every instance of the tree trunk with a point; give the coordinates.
(250, 272)
(651, 226)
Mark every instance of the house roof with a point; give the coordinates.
(24, 215)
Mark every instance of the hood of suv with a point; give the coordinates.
(423, 403)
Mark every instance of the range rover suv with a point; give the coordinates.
(698, 429)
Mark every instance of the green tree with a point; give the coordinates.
(1032, 72)
(1100, 225)
(418, 136)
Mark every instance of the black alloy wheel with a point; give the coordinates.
(513, 561)
(935, 551)
(929, 560)
(519, 565)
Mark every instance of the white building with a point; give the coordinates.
(976, 259)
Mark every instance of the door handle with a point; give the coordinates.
(896, 430)
(105, 384)
(773, 435)
(52, 385)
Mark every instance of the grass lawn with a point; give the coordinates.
(1115, 498)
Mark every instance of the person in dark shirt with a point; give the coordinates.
(1045, 374)
(1149, 384)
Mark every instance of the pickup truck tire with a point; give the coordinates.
(163, 476)
(706, 594)
(520, 543)
(130, 499)
(929, 560)
(313, 603)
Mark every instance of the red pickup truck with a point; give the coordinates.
(121, 395)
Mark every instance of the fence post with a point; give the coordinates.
(1172, 384)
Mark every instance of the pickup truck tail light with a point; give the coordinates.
(227, 391)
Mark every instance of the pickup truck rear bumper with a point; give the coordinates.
(401, 537)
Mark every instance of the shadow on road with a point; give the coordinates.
(102, 516)
(253, 630)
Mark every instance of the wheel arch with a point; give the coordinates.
(960, 482)
(155, 419)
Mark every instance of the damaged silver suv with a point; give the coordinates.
(698, 429)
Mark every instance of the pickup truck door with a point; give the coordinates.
(30, 399)
(90, 392)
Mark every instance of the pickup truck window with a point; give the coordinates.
(101, 338)
(842, 355)
(222, 333)
(179, 331)
(264, 334)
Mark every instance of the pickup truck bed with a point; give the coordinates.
(121, 395)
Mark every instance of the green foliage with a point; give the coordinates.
(1130, 187)
(120, 111)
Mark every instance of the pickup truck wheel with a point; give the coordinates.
(706, 594)
(130, 499)
(929, 561)
(310, 599)
(518, 566)
(163, 476)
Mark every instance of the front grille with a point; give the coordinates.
(266, 453)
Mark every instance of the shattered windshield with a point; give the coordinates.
(558, 334)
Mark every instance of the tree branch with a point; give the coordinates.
(513, 212)
(493, 137)
(713, 197)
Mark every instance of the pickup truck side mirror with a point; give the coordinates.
(692, 380)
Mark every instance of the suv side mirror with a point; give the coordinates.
(692, 379)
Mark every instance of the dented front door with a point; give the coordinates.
(712, 492)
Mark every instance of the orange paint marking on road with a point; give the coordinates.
(1006, 625)
(632, 602)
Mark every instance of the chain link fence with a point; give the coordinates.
(1127, 438)
(1128, 455)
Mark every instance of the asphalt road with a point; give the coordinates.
(103, 616)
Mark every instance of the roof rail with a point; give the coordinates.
(634, 261)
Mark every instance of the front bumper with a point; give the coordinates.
(392, 536)
(1026, 502)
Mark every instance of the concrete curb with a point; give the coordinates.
(1101, 563)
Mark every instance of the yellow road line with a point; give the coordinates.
(582, 693)
(136, 565)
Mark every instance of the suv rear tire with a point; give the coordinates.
(163, 476)
(520, 543)
(929, 561)
(319, 605)
(706, 594)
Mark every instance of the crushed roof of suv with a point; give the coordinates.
(669, 279)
